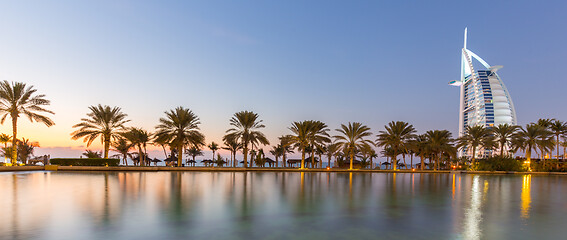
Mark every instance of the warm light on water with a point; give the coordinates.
(268, 205)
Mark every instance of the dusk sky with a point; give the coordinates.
(334, 61)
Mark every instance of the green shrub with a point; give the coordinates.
(84, 162)
(499, 164)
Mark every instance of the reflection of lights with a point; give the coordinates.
(473, 214)
(526, 198)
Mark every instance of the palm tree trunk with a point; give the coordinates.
(329, 161)
(106, 146)
(473, 155)
(557, 148)
(422, 165)
(313, 157)
(411, 161)
(351, 160)
(14, 139)
(245, 152)
(164, 152)
(283, 159)
(529, 157)
(395, 161)
(140, 157)
(302, 159)
(179, 155)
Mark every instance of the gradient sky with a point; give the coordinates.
(334, 61)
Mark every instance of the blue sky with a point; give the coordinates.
(333, 61)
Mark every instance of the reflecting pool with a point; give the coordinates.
(271, 205)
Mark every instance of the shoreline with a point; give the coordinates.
(231, 169)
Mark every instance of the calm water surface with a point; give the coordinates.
(224, 205)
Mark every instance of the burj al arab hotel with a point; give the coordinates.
(484, 99)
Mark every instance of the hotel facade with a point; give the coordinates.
(484, 99)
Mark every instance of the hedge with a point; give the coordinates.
(84, 162)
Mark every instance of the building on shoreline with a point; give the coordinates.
(484, 99)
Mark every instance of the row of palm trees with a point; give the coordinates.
(179, 130)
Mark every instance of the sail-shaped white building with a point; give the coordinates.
(484, 99)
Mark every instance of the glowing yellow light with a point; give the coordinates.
(413, 169)
(526, 196)
(328, 168)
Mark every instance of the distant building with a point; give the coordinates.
(484, 99)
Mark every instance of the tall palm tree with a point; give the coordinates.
(18, 98)
(245, 129)
(352, 138)
(504, 134)
(122, 147)
(558, 128)
(104, 122)
(286, 143)
(193, 152)
(439, 142)
(474, 137)
(213, 147)
(138, 137)
(419, 145)
(300, 138)
(180, 128)
(546, 123)
(528, 138)
(318, 137)
(232, 145)
(396, 136)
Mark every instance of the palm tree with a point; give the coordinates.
(558, 128)
(474, 137)
(102, 121)
(528, 138)
(504, 134)
(352, 138)
(245, 129)
(332, 149)
(123, 148)
(180, 128)
(396, 137)
(138, 137)
(318, 137)
(369, 153)
(5, 138)
(439, 142)
(232, 145)
(162, 142)
(193, 152)
(546, 123)
(419, 145)
(25, 149)
(277, 151)
(18, 98)
(213, 147)
(285, 142)
(92, 154)
(300, 138)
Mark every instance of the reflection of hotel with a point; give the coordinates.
(484, 99)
